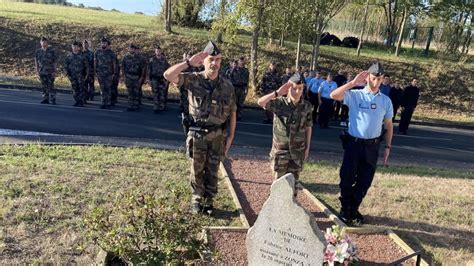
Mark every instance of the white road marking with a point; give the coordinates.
(12, 132)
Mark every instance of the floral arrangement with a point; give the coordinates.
(341, 250)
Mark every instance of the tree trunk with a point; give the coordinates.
(363, 27)
(282, 38)
(253, 50)
(400, 35)
(168, 16)
(298, 49)
(222, 13)
(467, 40)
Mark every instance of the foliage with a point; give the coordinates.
(142, 227)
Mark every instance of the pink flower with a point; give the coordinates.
(330, 255)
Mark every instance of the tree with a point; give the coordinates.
(167, 16)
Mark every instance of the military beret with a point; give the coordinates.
(212, 49)
(296, 78)
(376, 69)
(85, 41)
(75, 42)
(44, 39)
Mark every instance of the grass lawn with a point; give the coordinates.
(430, 208)
(47, 190)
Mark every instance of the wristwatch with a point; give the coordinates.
(276, 94)
(187, 62)
(388, 147)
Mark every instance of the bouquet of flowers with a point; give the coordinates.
(340, 249)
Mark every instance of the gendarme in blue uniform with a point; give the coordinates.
(367, 112)
(314, 85)
(326, 88)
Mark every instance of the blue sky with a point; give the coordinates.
(149, 7)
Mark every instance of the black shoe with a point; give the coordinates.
(209, 209)
(345, 217)
(44, 102)
(357, 217)
(91, 98)
(196, 208)
(53, 101)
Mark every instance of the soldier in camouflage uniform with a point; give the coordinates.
(285, 77)
(292, 127)
(45, 62)
(132, 67)
(270, 82)
(156, 67)
(213, 110)
(239, 76)
(115, 83)
(89, 82)
(105, 67)
(145, 66)
(77, 67)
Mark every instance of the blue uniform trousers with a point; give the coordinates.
(357, 172)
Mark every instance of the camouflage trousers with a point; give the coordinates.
(158, 86)
(133, 86)
(105, 83)
(240, 95)
(114, 90)
(89, 87)
(282, 163)
(77, 84)
(47, 84)
(206, 152)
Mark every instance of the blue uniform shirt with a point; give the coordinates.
(307, 80)
(314, 84)
(367, 112)
(326, 88)
(385, 89)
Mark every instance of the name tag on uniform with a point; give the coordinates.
(373, 106)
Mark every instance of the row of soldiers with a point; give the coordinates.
(82, 65)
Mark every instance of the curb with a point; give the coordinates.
(364, 230)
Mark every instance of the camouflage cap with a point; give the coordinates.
(212, 49)
(376, 69)
(296, 78)
(44, 39)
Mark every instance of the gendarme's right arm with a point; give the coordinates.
(338, 94)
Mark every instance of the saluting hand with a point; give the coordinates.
(198, 59)
(360, 79)
(283, 90)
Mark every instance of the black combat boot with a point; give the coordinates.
(345, 216)
(357, 217)
(53, 101)
(45, 101)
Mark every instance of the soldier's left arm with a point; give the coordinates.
(309, 132)
(230, 137)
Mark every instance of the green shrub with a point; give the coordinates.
(142, 227)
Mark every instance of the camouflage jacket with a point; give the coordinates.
(239, 77)
(132, 66)
(46, 61)
(271, 81)
(157, 66)
(289, 126)
(76, 65)
(211, 102)
(105, 62)
(89, 55)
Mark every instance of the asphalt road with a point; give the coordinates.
(20, 110)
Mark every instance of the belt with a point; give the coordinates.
(365, 141)
(207, 129)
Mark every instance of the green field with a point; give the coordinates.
(429, 208)
(47, 191)
(446, 86)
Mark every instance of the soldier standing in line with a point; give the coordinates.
(45, 62)
(133, 69)
(270, 82)
(285, 77)
(240, 79)
(292, 127)
(410, 97)
(396, 95)
(115, 83)
(89, 83)
(105, 64)
(144, 64)
(156, 68)
(326, 104)
(228, 71)
(77, 67)
(212, 110)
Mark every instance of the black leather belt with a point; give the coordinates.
(365, 141)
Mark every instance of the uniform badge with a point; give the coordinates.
(373, 106)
